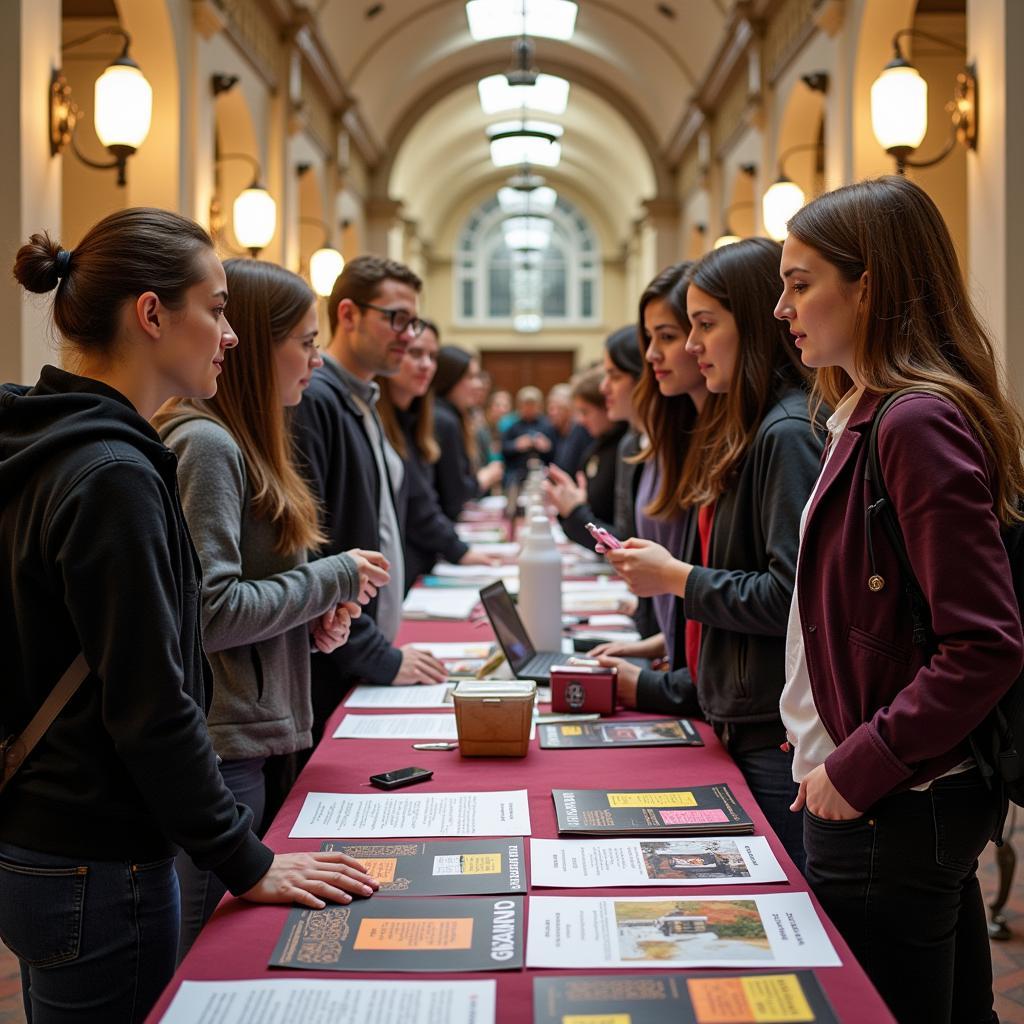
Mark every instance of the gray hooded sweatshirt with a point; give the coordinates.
(256, 603)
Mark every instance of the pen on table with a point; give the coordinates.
(434, 746)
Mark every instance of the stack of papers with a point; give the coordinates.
(444, 603)
(401, 696)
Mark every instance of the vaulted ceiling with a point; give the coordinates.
(412, 67)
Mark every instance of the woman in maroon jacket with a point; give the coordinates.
(896, 812)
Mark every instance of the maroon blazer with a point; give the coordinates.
(898, 715)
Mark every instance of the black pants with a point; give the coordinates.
(900, 884)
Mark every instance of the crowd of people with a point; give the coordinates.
(224, 517)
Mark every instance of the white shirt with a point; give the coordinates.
(804, 729)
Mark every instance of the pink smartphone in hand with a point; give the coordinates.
(603, 537)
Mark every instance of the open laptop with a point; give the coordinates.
(525, 660)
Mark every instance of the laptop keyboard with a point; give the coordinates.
(543, 660)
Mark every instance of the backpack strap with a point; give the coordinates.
(880, 510)
(15, 749)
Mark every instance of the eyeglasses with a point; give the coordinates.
(398, 319)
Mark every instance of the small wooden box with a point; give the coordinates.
(494, 717)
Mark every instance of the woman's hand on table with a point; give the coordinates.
(312, 880)
(489, 476)
(419, 667)
(648, 568)
(822, 799)
(627, 679)
(563, 492)
(472, 557)
(372, 567)
(650, 647)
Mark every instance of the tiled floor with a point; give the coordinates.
(1007, 957)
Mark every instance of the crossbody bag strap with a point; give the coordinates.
(15, 750)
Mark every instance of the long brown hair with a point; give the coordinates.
(744, 278)
(667, 421)
(422, 411)
(917, 326)
(266, 303)
(453, 363)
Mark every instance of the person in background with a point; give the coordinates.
(531, 436)
(757, 460)
(895, 809)
(573, 438)
(407, 411)
(253, 521)
(596, 481)
(457, 478)
(98, 562)
(672, 394)
(497, 405)
(357, 477)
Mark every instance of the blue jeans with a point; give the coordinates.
(95, 939)
(769, 774)
(201, 891)
(900, 884)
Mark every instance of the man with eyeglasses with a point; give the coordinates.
(356, 473)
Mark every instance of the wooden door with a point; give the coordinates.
(511, 369)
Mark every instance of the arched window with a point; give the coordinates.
(551, 280)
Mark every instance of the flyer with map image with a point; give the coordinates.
(476, 934)
(683, 811)
(762, 930)
(658, 732)
(721, 998)
(464, 867)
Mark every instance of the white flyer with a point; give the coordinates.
(312, 1001)
(595, 863)
(408, 815)
(440, 602)
(397, 727)
(765, 930)
(401, 696)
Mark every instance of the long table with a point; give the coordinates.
(237, 942)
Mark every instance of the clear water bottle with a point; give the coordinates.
(540, 585)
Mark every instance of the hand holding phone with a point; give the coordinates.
(607, 540)
(400, 777)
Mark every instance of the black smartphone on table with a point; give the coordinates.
(400, 777)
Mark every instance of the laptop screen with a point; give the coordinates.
(507, 625)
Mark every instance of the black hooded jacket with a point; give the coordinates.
(96, 557)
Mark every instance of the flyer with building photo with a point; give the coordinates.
(658, 732)
(720, 998)
(476, 934)
(459, 867)
(765, 930)
(683, 811)
(593, 863)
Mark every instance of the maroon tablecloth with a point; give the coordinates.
(238, 940)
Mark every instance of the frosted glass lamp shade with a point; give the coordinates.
(549, 94)
(255, 217)
(780, 202)
(899, 107)
(525, 149)
(324, 267)
(517, 201)
(123, 106)
(491, 19)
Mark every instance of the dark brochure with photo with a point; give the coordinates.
(474, 934)
(681, 811)
(460, 867)
(658, 732)
(793, 997)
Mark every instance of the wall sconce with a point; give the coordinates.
(899, 106)
(254, 213)
(123, 107)
(784, 197)
(325, 264)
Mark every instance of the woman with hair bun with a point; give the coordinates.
(253, 520)
(101, 563)
(880, 708)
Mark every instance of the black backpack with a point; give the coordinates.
(998, 743)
